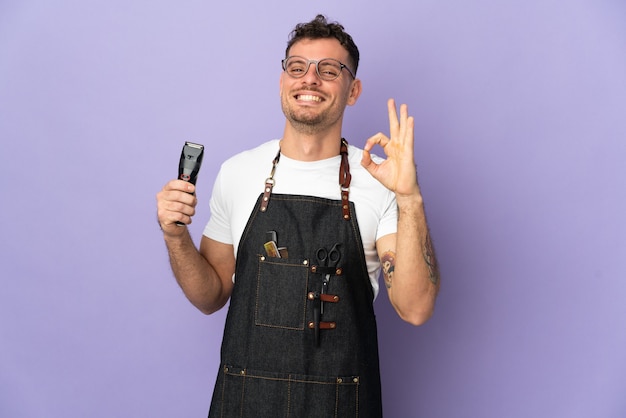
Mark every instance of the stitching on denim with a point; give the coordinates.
(361, 254)
(258, 286)
(338, 381)
(322, 200)
(289, 396)
(356, 407)
(336, 399)
(243, 394)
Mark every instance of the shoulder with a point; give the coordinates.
(261, 155)
(243, 174)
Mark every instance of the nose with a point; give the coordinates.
(311, 76)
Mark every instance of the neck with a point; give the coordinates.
(310, 146)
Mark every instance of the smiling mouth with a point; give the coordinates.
(308, 98)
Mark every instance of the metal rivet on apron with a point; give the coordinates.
(243, 372)
(338, 271)
(339, 380)
(305, 262)
(262, 258)
(355, 380)
(313, 269)
(311, 296)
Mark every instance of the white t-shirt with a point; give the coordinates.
(242, 178)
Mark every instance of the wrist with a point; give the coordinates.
(173, 231)
(412, 200)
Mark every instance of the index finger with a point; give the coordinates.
(180, 185)
(393, 117)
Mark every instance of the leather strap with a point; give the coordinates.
(269, 184)
(344, 181)
(323, 325)
(336, 271)
(324, 297)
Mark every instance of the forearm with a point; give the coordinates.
(194, 274)
(416, 274)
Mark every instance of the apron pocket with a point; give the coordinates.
(251, 393)
(281, 293)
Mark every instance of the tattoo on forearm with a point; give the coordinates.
(388, 262)
(431, 260)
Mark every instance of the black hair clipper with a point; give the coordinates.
(189, 165)
(190, 160)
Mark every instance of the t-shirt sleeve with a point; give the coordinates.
(218, 228)
(389, 220)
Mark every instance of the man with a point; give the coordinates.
(298, 253)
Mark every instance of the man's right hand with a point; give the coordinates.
(176, 202)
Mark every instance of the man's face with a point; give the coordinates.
(310, 103)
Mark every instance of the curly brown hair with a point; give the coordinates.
(320, 28)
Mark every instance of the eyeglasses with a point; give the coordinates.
(327, 69)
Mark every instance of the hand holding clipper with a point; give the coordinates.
(189, 165)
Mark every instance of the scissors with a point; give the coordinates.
(328, 259)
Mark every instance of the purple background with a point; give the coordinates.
(521, 143)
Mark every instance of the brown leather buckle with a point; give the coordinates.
(324, 297)
(269, 184)
(323, 325)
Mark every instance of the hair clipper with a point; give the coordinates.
(189, 165)
(190, 161)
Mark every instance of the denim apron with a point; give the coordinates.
(300, 338)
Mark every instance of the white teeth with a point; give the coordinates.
(309, 98)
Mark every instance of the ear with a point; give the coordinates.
(355, 91)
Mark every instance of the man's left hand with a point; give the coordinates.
(397, 172)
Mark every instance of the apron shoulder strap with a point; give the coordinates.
(344, 181)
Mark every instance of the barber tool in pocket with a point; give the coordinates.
(271, 246)
(327, 260)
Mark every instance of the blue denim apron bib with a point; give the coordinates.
(294, 346)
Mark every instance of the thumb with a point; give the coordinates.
(367, 162)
